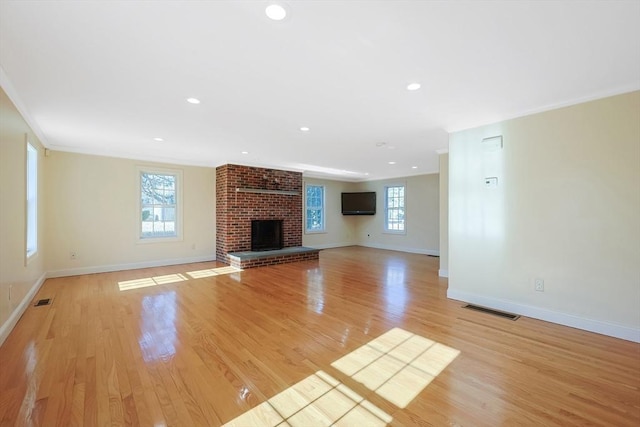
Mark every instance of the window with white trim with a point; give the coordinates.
(32, 201)
(159, 204)
(394, 209)
(314, 219)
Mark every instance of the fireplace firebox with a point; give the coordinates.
(266, 234)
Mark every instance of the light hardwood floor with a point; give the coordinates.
(203, 349)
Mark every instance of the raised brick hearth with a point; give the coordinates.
(244, 193)
(245, 260)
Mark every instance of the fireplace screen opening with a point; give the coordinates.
(266, 235)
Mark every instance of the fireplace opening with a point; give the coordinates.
(266, 234)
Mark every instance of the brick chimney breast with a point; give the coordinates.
(281, 199)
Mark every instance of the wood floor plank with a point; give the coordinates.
(205, 349)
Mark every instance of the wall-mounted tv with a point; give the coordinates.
(363, 203)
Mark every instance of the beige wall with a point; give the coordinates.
(23, 279)
(92, 210)
(339, 229)
(422, 216)
(566, 210)
(444, 215)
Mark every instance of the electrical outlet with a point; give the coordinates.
(538, 285)
(73, 255)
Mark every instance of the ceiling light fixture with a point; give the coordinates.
(414, 167)
(158, 139)
(413, 86)
(244, 152)
(275, 11)
(193, 100)
(305, 129)
(392, 163)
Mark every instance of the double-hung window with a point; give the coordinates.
(394, 209)
(160, 204)
(314, 219)
(32, 201)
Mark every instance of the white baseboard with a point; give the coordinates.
(401, 249)
(330, 245)
(443, 273)
(132, 266)
(591, 325)
(11, 322)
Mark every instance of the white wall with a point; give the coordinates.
(422, 216)
(92, 211)
(340, 229)
(566, 210)
(444, 214)
(23, 279)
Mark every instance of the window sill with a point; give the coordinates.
(30, 257)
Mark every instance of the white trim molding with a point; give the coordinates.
(591, 325)
(432, 252)
(11, 322)
(443, 273)
(330, 245)
(12, 93)
(132, 266)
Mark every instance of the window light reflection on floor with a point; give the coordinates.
(318, 400)
(212, 272)
(173, 278)
(397, 366)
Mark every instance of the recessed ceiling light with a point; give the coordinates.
(392, 163)
(244, 152)
(414, 167)
(305, 129)
(158, 139)
(413, 86)
(193, 100)
(276, 12)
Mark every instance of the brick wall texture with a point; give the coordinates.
(235, 210)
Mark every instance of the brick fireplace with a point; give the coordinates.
(245, 193)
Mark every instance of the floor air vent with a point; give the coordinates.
(46, 301)
(506, 315)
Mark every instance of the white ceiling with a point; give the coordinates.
(106, 77)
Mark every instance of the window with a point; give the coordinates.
(159, 204)
(394, 209)
(315, 209)
(32, 201)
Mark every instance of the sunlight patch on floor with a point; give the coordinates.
(318, 400)
(174, 278)
(397, 365)
(199, 274)
(151, 281)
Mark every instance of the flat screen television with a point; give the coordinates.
(363, 203)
